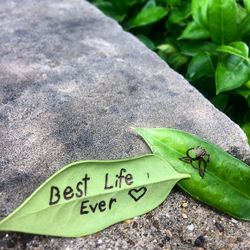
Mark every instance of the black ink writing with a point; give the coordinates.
(119, 179)
(68, 192)
(54, 192)
(87, 207)
(85, 180)
(106, 186)
(137, 193)
(200, 155)
(79, 190)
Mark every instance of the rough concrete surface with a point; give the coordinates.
(72, 82)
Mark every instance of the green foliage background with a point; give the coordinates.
(207, 41)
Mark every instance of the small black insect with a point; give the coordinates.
(197, 154)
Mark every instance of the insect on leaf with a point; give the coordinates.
(221, 180)
(88, 196)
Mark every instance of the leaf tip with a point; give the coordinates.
(184, 176)
(218, 91)
(138, 130)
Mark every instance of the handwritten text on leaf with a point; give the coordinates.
(88, 196)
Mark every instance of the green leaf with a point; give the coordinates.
(173, 2)
(194, 31)
(247, 84)
(88, 196)
(192, 48)
(246, 117)
(199, 11)
(236, 48)
(167, 48)
(222, 20)
(246, 129)
(244, 26)
(220, 101)
(243, 91)
(179, 15)
(247, 5)
(200, 65)
(231, 73)
(149, 3)
(175, 60)
(147, 16)
(241, 14)
(225, 181)
(123, 5)
(149, 43)
(109, 9)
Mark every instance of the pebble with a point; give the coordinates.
(199, 242)
(135, 224)
(234, 221)
(239, 239)
(169, 233)
(232, 240)
(184, 216)
(190, 227)
(167, 215)
(157, 248)
(185, 204)
(130, 242)
(166, 238)
(127, 221)
(11, 244)
(219, 227)
(149, 216)
(37, 248)
(156, 224)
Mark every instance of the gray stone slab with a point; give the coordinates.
(72, 82)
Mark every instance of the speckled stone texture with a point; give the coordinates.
(72, 82)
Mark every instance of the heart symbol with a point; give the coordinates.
(137, 194)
